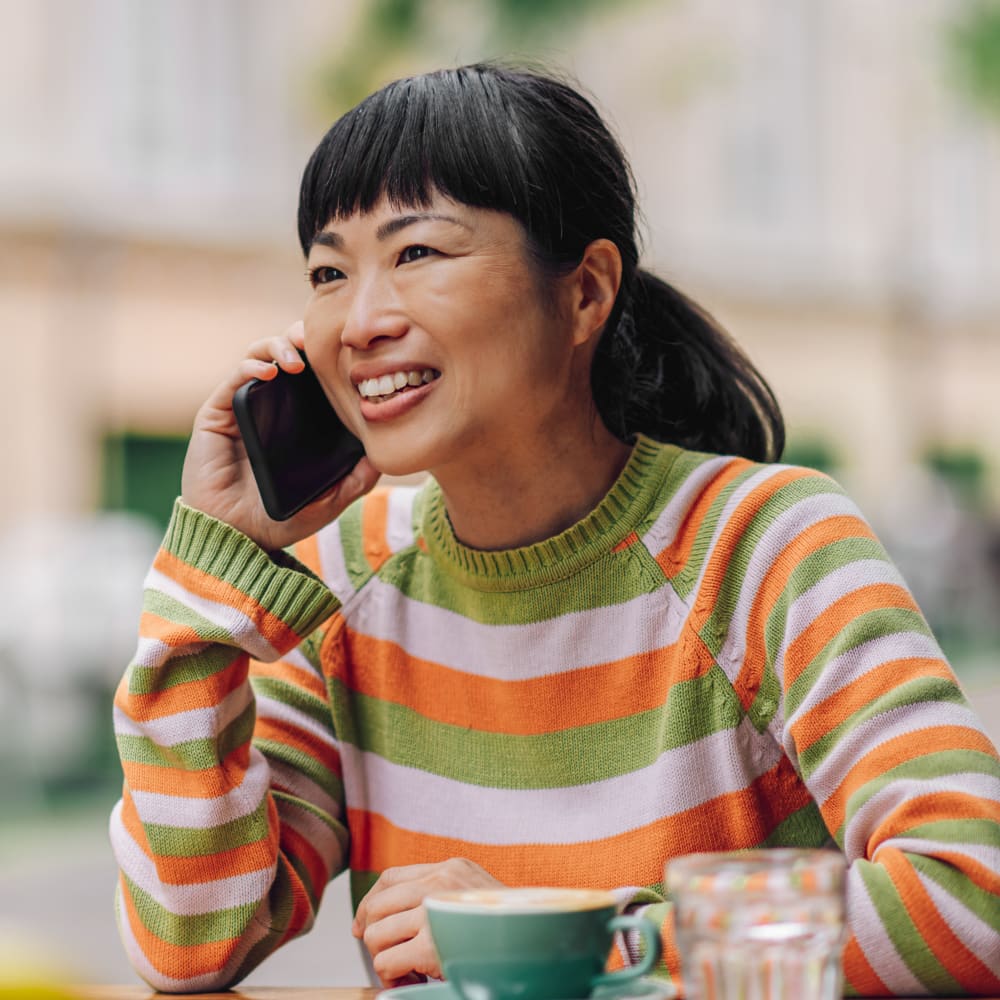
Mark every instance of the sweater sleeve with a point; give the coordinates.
(871, 715)
(231, 817)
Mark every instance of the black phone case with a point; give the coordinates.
(297, 446)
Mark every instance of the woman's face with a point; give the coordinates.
(428, 328)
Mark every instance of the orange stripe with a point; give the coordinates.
(206, 784)
(836, 617)
(635, 857)
(381, 669)
(172, 634)
(962, 965)
(930, 808)
(205, 692)
(630, 539)
(374, 527)
(895, 751)
(975, 871)
(676, 556)
(671, 956)
(811, 540)
(293, 736)
(307, 553)
(206, 586)
(291, 673)
(734, 533)
(841, 705)
(860, 975)
(176, 960)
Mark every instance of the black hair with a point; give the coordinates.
(526, 143)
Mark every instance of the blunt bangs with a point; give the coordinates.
(458, 132)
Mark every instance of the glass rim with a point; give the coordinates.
(757, 870)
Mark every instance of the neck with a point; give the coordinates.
(531, 494)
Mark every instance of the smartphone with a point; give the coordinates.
(297, 445)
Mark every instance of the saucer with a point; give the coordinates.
(645, 988)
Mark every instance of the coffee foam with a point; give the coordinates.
(524, 900)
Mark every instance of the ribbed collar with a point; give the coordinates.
(607, 525)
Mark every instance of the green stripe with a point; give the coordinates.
(293, 696)
(183, 617)
(701, 548)
(696, 708)
(184, 669)
(287, 588)
(965, 832)
(918, 690)
(939, 764)
(716, 627)
(190, 755)
(352, 546)
(189, 842)
(980, 901)
(303, 762)
(197, 929)
(803, 828)
(909, 943)
(859, 630)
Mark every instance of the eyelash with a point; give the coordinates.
(315, 275)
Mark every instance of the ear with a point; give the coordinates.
(595, 284)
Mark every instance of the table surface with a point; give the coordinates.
(139, 992)
(256, 993)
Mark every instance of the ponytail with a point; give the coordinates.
(668, 370)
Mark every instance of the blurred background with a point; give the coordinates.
(824, 176)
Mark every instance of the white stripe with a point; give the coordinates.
(519, 652)
(269, 708)
(853, 664)
(873, 813)
(295, 783)
(333, 571)
(981, 939)
(205, 813)
(875, 942)
(788, 525)
(318, 834)
(233, 622)
(151, 652)
(193, 724)
(189, 900)
(906, 720)
(431, 804)
(812, 603)
(208, 982)
(663, 532)
(399, 526)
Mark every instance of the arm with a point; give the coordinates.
(905, 778)
(224, 844)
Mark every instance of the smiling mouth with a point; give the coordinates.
(378, 390)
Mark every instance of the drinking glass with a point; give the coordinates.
(760, 924)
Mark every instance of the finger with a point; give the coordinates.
(397, 927)
(403, 873)
(415, 955)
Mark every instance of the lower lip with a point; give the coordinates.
(392, 409)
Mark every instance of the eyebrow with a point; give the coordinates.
(329, 238)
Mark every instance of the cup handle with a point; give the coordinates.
(654, 946)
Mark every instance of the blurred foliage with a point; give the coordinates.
(963, 469)
(392, 34)
(974, 50)
(813, 452)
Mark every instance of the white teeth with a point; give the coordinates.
(388, 385)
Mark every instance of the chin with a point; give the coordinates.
(390, 462)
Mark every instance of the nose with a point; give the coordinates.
(374, 313)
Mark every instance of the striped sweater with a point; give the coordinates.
(721, 655)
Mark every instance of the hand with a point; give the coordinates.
(217, 478)
(392, 922)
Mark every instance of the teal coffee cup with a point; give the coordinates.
(534, 944)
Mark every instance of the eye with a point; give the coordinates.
(416, 252)
(323, 275)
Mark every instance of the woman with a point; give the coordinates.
(606, 632)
